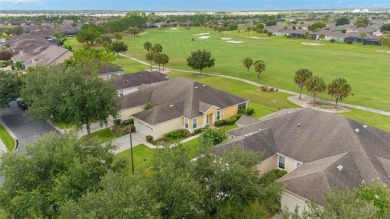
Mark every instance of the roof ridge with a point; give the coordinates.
(362, 149)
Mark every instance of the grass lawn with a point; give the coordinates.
(143, 157)
(283, 57)
(129, 65)
(3, 215)
(372, 119)
(7, 139)
(72, 41)
(104, 134)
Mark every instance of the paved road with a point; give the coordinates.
(23, 129)
(386, 113)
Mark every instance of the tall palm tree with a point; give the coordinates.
(248, 62)
(259, 67)
(147, 46)
(314, 86)
(339, 88)
(302, 77)
(362, 36)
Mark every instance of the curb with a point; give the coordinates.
(12, 135)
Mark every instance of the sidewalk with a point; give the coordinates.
(3, 148)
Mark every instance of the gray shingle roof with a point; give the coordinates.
(246, 120)
(190, 92)
(137, 79)
(324, 141)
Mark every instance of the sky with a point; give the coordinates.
(188, 5)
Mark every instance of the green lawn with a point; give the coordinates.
(105, 134)
(72, 41)
(7, 139)
(364, 67)
(143, 157)
(129, 65)
(372, 119)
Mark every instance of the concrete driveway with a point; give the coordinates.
(23, 129)
(124, 141)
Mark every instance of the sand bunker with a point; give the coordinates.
(202, 34)
(313, 44)
(232, 41)
(226, 38)
(383, 51)
(174, 28)
(258, 38)
(204, 37)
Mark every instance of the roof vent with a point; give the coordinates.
(171, 106)
(299, 125)
(196, 87)
(357, 130)
(340, 168)
(365, 126)
(204, 85)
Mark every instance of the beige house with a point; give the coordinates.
(320, 152)
(50, 56)
(177, 104)
(129, 83)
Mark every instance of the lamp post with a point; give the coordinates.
(131, 149)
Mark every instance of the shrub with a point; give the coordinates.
(271, 89)
(175, 135)
(127, 122)
(264, 88)
(148, 106)
(332, 40)
(5, 55)
(132, 128)
(349, 41)
(219, 123)
(215, 135)
(250, 111)
(242, 111)
(149, 138)
(276, 90)
(198, 131)
(117, 121)
(230, 121)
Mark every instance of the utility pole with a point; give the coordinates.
(131, 149)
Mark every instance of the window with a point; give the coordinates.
(282, 162)
(186, 123)
(121, 93)
(194, 123)
(218, 115)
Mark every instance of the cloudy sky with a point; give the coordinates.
(172, 5)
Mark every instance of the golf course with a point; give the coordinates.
(364, 67)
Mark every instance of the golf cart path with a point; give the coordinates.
(386, 113)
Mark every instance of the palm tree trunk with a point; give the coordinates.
(159, 67)
(248, 72)
(300, 93)
(337, 100)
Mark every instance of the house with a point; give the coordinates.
(129, 83)
(177, 104)
(109, 71)
(50, 56)
(320, 151)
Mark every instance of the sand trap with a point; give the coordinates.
(307, 102)
(203, 37)
(313, 44)
(383, 51)
(202, 34)
(174, 28)
(236, 42)
(258, 38)
(226, 38)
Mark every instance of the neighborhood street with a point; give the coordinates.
(23, 129)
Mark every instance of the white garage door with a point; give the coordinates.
(143, 127)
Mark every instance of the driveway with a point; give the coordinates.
(124, 141)
(23, 129)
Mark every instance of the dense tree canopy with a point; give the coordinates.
(90, 59)
(200, 60)
(342, 21)
(317, 26)
(119, 46)
(248, 62)
(314, 86)
(88, 34)
(339, 89)
(259, 67)
(65, 94)
(361, 22)
(10, 85)
(385, 28)
(302, 77)
(56, 169)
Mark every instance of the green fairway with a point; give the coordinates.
(72, 41)
(372, 119)
(7, 139)
(142, 158)
(364, 68)
(129, 65)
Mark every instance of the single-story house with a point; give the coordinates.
(129, 83)
(109, 71)
(177, 104)
(51, 55)
(320, 151)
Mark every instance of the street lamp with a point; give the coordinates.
(131, 149)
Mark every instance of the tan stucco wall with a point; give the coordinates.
(162, 128)
(289, 201)
(200, 121)
(291, 164)
(229, 112)
(211, 110)
(125, 114)
(268, 164)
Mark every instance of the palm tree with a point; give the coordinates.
(302, 76)
(164, 60)
(385, 41)
(339, 88)
(149, 57)
(307, 36)
(157, 48)
(158, 59)
(322, 36)
(314, 86)
(248, 62)
(118, 36)
(259, 67)
(147, 46)
(362, 36)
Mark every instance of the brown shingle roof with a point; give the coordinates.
(324, 141)
(136, 79)
(191, 93)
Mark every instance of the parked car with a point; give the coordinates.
(21, 104)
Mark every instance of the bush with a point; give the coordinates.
(250, 111)
(117, 121)
(175, 135)
(271, 89)
(5, 55)
(132, 128)
(332, 40)
(215, 135)
(264, 88)
(149, 138)
(198, 131)
(348, 42)
(219, 123)
(230, 121)
(127, 122)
